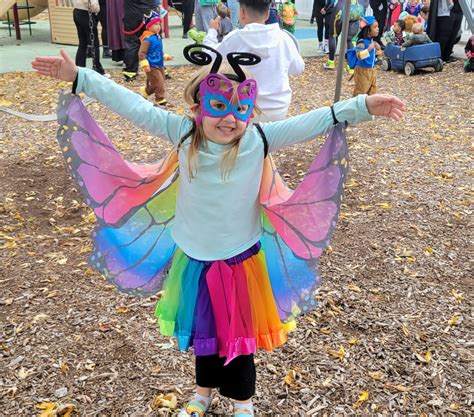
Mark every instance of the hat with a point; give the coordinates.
(151, 18)
(366, 21)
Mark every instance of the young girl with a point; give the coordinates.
(236, 276)
(365, 77)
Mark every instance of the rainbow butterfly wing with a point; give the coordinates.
(297, 225)
(134, 203)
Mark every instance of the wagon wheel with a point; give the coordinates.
(409, 69)
(439, 65)
(386, 65)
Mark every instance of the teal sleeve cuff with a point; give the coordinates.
(353, 110)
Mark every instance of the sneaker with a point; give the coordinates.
(106, 53)
(321, 48)
(163, 102)
(197, 35)
(329, 65)
(129, 76)
(143, 92)
(185, 36)
(349, 70)
(326, 48)
(167, 74)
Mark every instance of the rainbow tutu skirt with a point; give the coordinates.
(221, 307)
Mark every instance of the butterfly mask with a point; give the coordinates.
(218, 95)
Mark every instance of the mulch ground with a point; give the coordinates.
(393, 331)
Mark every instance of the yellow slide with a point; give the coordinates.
(6, 5)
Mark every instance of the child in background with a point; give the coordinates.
(365, 77)
(280, 56)
(469, 50)
(288, 14)
(151, 58)
(220, 294)
(417, 38)
(424, 15)
(396, 35)
(225, 24)
(413, 7)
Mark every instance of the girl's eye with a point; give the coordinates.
(218, 105)
(243, 108)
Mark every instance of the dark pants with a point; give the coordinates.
(322, 20)
(380, 15)
(103, 21)
(447, 29)
(81, 19)
(188, 10)
(351, 32)
(132, 45)
(235, 381)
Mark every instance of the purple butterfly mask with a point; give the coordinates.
(217, 90)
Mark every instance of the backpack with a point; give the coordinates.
(352, 57)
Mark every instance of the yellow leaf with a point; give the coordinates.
(165, 401)
(453, 321)
(376, 375)
(364, 396)
(455, 406)
(405, 330)
(385, 206)
(426, 358)
(457, 296)
(64, 368)
(52, 294)
(326, 331)
(122, 310)
(290, 377)
(353, 341)
(66, 410)
(48, 409)
(339, 354)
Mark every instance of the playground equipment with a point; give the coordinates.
(412, 58)
(33, 6)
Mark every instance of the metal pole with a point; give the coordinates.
(342, 49)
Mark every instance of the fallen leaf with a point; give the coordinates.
(376, 375)
(165, 401)
(363, 397)
(290, 377)
(396, 387)
(339, 354)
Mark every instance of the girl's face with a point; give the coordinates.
(374, 29)
(225, 129)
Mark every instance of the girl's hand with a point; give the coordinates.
(60, 67)
(385, 105)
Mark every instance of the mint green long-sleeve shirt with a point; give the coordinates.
(218, 218)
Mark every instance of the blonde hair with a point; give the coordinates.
(417, 28)
(223, 11)
(196, 133)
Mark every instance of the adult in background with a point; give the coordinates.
(103, 22)
(444, 23)
(188, 11)
(234, 7)
(115, 36)
(322, 13)
(82, 15)
(204, 11)
(133, 28)
(379, 9)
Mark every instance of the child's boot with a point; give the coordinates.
(349, 70)
(197, 407)
(143, 92)
(329, 65)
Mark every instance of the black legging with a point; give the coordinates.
(351, 32)
(81, 19)
(322, 20)
(187, 10)
(103, 21)
(380, 15)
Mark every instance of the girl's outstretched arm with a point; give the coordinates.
(121, 100)
(317, 122)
